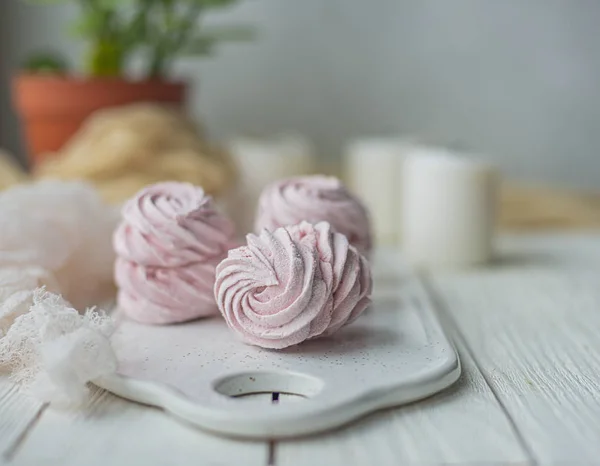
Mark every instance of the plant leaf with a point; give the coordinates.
(46, 63)
(204, 42)
(88, 25)
(197, 46)
(136, 32)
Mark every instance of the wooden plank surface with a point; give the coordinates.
(528, 333)
(17, 413)
(535, 334)
(576, 251)
(464, 424)
(112, 431)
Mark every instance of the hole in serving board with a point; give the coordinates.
(274, 386)
(275, 398)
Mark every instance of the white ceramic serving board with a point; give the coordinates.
(395, 353)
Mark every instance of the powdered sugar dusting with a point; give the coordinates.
(293, 284)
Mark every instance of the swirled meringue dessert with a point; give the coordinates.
(292, 284)
(168, 244)
(315, 199)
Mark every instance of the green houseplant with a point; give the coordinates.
(53, 103)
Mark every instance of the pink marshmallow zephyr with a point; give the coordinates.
(168, 245)
(292, 284)
(315, 199)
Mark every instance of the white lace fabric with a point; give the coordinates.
(55, 257)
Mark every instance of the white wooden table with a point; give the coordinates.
(528, 331)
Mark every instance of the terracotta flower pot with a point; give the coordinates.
(52, 108)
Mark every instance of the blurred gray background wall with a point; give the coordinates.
(515, 79)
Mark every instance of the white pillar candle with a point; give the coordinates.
(372, 166)
(261, 161)
(448, 211)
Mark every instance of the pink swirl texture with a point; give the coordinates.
(292, 284)
(172, 224)
(168, 245)
(315, 199)
(165, 295)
